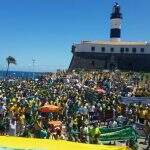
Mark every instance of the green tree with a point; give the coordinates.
(10, 60)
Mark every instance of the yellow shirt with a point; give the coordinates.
(22, 119)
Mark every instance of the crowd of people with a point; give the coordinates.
(88, 100)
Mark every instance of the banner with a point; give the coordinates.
(119, 134)
(13, 143)
(108, 130)
(137, 100)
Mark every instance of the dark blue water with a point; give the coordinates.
(20, 74)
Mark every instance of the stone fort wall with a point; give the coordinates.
(87, 61)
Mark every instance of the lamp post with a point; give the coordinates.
(33, 63)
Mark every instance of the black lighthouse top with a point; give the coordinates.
(116, 12)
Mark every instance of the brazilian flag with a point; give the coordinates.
(18, 143)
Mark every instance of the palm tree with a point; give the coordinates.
(10, 60)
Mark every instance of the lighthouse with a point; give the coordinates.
(116, 18)
(113, 53)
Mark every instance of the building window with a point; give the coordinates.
(93, 49)
(122, 50)
(112, 49)
(93, 63)
(142, 50)
(103, 49)
(134, 50)
(127, 49)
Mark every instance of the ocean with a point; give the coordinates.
(20, 74)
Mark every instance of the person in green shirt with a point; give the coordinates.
(94, 134)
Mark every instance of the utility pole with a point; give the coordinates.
(33, 63)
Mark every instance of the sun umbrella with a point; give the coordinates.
(49, 108)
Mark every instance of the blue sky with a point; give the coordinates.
(45, 29)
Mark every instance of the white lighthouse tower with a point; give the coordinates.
(116, 18)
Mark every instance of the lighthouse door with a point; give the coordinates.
(112, 64)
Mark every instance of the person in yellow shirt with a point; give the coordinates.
(142, 114)
(20, 123)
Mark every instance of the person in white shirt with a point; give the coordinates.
(12, 127)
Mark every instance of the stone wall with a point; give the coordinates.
(86, 60)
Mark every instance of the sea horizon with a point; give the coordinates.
(21, 74)
(24, 74)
